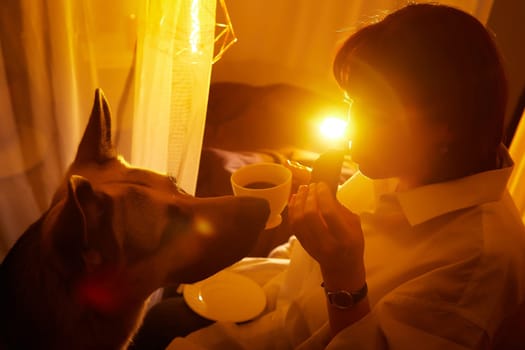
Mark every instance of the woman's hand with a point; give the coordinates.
(330, 233)
(300, 173)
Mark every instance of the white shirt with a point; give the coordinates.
(444, 265)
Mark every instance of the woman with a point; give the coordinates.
(424, 248)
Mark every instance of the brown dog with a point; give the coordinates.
(79, 277)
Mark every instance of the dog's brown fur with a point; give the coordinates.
(79, 277)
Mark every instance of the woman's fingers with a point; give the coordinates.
(307, 223)
(296, 209)
(300, 174)
(303, 209)
(329, 232)
(344, 225)
(312, 215)
(344, 229)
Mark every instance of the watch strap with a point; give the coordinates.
(344, 299)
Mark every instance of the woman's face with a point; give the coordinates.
(389, 139)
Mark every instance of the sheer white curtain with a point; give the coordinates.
(53, 53)
(172, 85)
(46, 82)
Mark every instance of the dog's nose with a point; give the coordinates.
(256, 210)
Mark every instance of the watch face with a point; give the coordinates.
(341, 299)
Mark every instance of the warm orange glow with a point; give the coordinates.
(334, 128)
(203, 226)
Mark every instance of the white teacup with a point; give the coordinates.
(270, 181)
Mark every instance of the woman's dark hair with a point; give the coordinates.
(443, 63)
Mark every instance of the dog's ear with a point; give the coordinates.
(80, 211)
(96, 144)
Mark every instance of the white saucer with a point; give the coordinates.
(226, 296)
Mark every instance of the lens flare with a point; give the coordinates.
(203, 226)
(334, 128)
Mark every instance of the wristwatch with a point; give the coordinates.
(343, 299)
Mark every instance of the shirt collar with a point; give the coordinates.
(426, 202)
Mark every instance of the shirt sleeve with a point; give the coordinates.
(404, 322)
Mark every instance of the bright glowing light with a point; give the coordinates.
(195, 26)
(333, 128)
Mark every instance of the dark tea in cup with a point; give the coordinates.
(259, 185)
(270, 181)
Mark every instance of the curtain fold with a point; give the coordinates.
(174, 55)
(41, 82)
